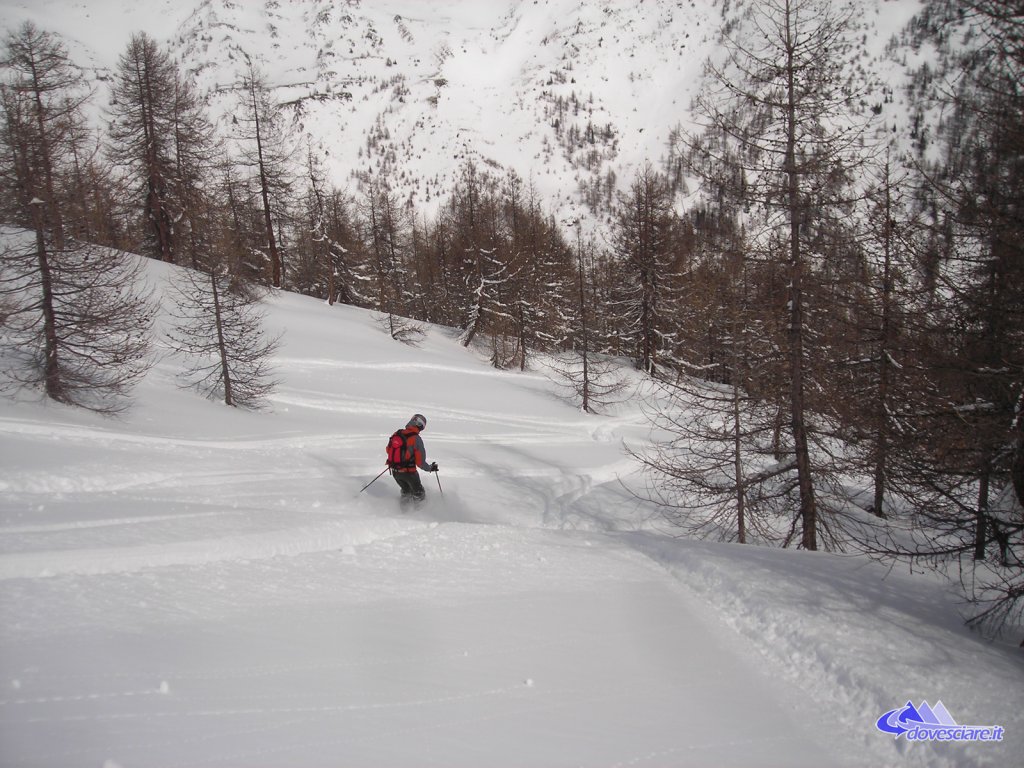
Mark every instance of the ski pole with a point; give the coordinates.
(378, 477)
(438, 476)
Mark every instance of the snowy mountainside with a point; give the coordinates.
(575, 96)
(563, 92)
(190, 583)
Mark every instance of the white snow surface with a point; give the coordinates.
(194, 585)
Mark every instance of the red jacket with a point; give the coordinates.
(414, 442)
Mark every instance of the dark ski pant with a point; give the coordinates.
(412, 488)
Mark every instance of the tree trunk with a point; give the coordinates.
(221, 344)
(738, 479)
(882, 411)
(268, 222)
(156, 203)
(1017, 461)
(56, 223)
(51, 371)
(584, 338)
(981, 517)
(808, 511)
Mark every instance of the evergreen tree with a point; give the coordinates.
(551, 315)
(474, 246)
(440, 287)
(967, 479)
(592, 379)
(386, 243)
(196, 151)
(238, 227)
(326, 242)
(76, 316)
(720, 471)
(643, 241)
(43, 96)
(145, 100)
(783, 136)
(263, 141)
(878, 342)
(219, 328)
(77, 320)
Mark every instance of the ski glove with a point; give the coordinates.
(432, 467)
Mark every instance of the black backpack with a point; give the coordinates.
(401, 449)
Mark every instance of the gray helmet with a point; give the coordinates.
(419, 421)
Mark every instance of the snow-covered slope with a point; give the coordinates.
(575, 96)
(193, 585)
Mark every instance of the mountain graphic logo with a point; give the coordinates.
(903, 719)
(925, 722)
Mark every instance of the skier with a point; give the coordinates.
(406, 453)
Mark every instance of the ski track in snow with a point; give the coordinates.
(277, 543)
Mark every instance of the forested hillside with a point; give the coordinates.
(820, 263)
